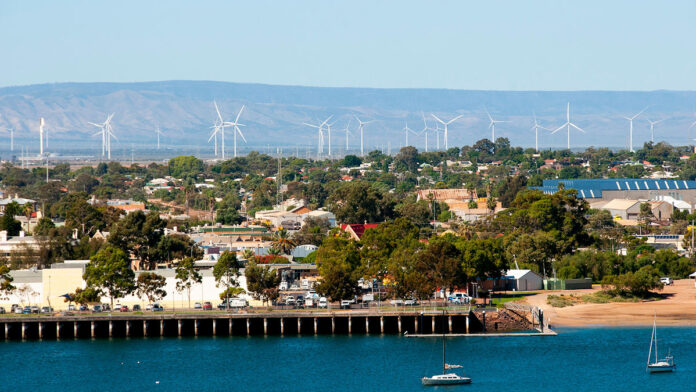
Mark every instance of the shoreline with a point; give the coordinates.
(677, 308)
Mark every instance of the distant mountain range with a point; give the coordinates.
(274, 115)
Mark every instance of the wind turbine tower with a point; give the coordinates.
(446, 123)
(158, 132)
(362, 140)
(492, 125)
(106, 134)
(406, 130)
(630, 130)
(536, 128)
(652, 128)
(42, 123)
(425, 131)
(568, 124)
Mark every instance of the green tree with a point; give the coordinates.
(283, 242)
(440, 263)
(140, 234)
(151, 286)
(262, 282)
(338, 262)
(86, 296)
(312, 232)
(185, 166)
(6, 287)
(109, 271)
(187, 276)
(358, 202)
(44, 226)
(226, 270)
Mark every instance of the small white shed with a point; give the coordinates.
(524, 279)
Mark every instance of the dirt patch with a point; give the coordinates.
(677, 308)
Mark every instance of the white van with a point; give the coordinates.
(323, 303)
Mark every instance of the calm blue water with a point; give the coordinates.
(576, 360)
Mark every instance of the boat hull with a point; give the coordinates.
(661, 368)
(431, 381)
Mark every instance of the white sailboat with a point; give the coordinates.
(446, 378)
(663, 365)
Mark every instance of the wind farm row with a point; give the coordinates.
(433, 136)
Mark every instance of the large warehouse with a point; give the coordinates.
(625, 188)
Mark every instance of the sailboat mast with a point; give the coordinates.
(444, 364)
(655, 332)
(652, 339)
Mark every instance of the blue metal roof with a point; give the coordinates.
(592, 188)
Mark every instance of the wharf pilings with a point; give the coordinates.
(236, 324)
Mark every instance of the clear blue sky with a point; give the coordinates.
(500, 45)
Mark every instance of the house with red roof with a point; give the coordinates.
(356, 231)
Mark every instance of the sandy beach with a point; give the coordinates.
(677, 309)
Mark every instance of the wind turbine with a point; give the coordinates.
(348, 132)
(446, 123)
(328, 131)
(237, 130)
(492, 125)
(158, 132)
(568, 124)
(362, 125)
(106, 134)
(536, 128)
(652, 128)
(42, 123)
(320, 140)
(406, 130)
(630, 129)
(425, 131)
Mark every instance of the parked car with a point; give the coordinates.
(397, 302)
(289, 300)
(97, 309)
(124, 308)
(667, 281)
(136, 308)
(197, 305)
(459, 298)
(207, 306)
(2, 310)
(157, 308)
(148, 307)
(84, 308)
(410, 302)
(71, 308)
(26, 310)
(299, 302)
(35, 309)
(46, 309)
(18, 310)
(14, 307)
(323, 303)
(117, 308)
(345, 303)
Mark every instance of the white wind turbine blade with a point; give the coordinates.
(559, 128)
(436, 118)
(96, 125)
(239, 114)
(236, 128)
(489, 116)
(692, 125)
(217, 110)
(457, 118)
(577, 127)
(311, 125)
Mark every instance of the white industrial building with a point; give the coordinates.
(524, 280)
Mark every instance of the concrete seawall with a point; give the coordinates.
(245, 324)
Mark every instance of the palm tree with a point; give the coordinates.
(249, 255)
(283, 242)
